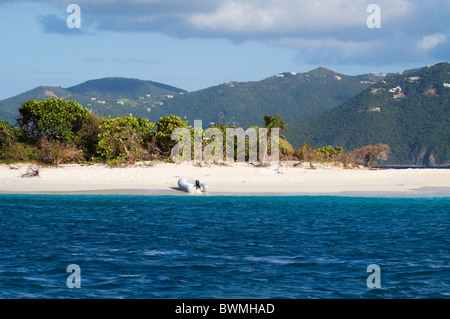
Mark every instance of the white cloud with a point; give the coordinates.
(279, 16)
(288, 16)
(429, 42)
(334, 28)
(234, 16)
(241, 18)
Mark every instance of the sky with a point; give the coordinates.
(201, 43)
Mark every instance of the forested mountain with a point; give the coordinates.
(410, 112)
(294, 96)
(109, 96)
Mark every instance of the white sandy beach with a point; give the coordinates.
(236, 179)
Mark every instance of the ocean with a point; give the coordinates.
(223, 247)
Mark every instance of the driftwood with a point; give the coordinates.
(31, 172)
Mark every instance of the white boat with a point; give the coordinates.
(191, 185)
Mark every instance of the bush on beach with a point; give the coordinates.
(54, 131)
(53, 119)
(125, 139)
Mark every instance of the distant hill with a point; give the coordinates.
(122, 88)
(294, 96)
(109, 96)
(410, 112)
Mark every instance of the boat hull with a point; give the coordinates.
(188, 185)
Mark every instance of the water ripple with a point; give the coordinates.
(223, 247)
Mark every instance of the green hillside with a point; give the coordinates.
(122, 88)
(410, 112)
(294, 96)
(108, 96)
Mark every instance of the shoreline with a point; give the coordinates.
(237, 179)
(125, 192)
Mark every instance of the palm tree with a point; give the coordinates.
(304, 151)
(271, 122)
(274, 122)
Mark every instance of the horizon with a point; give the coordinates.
(201, 44)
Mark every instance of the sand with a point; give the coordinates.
(235, 179)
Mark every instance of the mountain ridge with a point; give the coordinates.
(408, 111)
(102, 96)
(294, 96)
(117, 96)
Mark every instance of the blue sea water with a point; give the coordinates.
(223, 246)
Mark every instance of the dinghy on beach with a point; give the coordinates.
(190, 185)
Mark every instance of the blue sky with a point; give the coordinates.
(199, 43)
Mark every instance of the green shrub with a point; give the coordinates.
(54, 119)
(329, 152)
(88, 138)
(124, 139)
(21, 152)
(57, 152)
(164, 128)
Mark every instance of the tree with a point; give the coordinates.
(87, 137)
(57, 152)
(367, 154)
(303, 153)
(53, 119)
(123, 139)
(163, 130)
(8, 134)
(347, 159)
(275, 121)
(10, 146)
(329, 152)
(8, 137)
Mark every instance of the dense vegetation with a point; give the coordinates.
(414, 121)
(56, 131)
